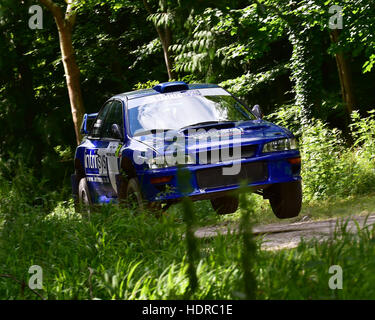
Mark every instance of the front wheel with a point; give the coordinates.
(134, 199)
(134, 194)
(286, 199)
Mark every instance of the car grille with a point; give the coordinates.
(214, 178)
(225, 154)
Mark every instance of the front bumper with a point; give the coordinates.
(277, 169)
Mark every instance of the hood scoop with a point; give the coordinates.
(219, 126)
(256, 127)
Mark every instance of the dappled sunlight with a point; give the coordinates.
(64, 210)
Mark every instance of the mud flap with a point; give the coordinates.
(118, 182)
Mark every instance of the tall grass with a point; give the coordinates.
(249, 249)
(121, 255)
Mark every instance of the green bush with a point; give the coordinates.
(329, 167)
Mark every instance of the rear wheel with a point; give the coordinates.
(285, 199)
(225, 204)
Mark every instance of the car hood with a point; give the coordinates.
(241, 133)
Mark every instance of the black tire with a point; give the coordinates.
(134, 194)
(133, 198)
(84, 197)
(286, 199)
(225, 204)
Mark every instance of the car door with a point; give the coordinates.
(101, 163)
(114, 144)
(94, 162)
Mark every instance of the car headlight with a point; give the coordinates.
(166, 161)
(280, 145)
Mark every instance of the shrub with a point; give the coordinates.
(329, 167)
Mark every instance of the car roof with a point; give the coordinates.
(147, 92)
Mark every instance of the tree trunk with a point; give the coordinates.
(165, 38)
(72, 72)
(72, 78)
(344, 72)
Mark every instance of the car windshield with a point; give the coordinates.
(176, 110)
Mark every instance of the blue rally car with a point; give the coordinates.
(135, 146)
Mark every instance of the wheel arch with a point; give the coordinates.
(79, 169)
(127, 172)
(128, 167)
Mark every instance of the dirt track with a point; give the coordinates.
(281, 235)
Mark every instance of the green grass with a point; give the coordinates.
(142, 257)
(117, 254)
(358, 205)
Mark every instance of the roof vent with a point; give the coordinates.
(171, 87)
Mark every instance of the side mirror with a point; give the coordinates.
(87, 121)
(83, 129)
(257, 111)
(116, 131)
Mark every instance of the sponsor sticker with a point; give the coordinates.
(95, 163)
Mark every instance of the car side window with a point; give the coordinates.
(97, 128)
(114, 116)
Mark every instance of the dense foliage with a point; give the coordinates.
(267, 52)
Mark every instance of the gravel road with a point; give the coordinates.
(282, 235)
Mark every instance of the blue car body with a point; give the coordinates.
(102, 158)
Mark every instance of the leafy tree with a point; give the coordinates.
(65, 22)
(266, 51)
(356, 37)
(163, 18)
